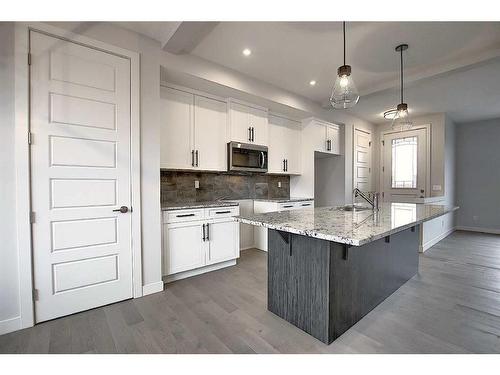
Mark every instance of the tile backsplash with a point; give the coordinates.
(179, 186)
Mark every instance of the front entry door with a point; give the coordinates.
(404, 169)
(80, 174)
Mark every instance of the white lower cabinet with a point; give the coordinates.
(260, 207)
(197, 241)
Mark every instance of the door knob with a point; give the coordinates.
(122, 209)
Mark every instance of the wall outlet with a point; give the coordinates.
(436, 187)
(279, 184)
(196, 184)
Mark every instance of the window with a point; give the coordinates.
(404, 163)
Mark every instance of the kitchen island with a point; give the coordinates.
(329, 266)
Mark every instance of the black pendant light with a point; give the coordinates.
(401, 120)
(344, 92)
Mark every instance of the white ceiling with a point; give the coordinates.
(450, 66)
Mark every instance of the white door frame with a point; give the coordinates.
(23, 187)
(428, 129)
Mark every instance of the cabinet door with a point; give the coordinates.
(318, 135)
(277, 144)
(210, 124)
(223, 241)
(183, 247)
(259, 123)
(333, 135)
(292, 146)
(176, 134)
(240, 123)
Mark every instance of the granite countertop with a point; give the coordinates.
(191, 205)
(349, 227)
(283, 200)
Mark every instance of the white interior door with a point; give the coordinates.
(80, 173)
(210, 124)
(362, 158)
(404, 169)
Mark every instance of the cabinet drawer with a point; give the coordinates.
(286, 206)
(179, 216)
(304, 204)
(219, 212)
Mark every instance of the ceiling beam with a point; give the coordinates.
(187, 36)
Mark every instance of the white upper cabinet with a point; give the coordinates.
(210, 124)
(325, 136)
(193, 131)
(176, 134)
(248, 124)
(284, 145)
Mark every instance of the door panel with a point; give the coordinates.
(223, 241)
(362, 171)
(258, 120)
(210, 124)
(416, 140)
(240, 122)
(185, 247)
(292, 146)
(277, 144)
(80, 172)
(176, 134)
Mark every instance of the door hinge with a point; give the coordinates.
(35, 294)
(29, 58)
(383, 169)
(32, 217)
(30, 138)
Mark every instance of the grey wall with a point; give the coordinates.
(179, 186)
(478, 174)
(9, 280)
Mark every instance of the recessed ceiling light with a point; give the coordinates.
(312, 83)
(247, 52)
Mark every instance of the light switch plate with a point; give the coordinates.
(279, 184)
(436, 187)
(196, 184)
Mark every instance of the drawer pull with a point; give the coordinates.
(288, 206)
(306, 204)
(223, 212)
(184, 215)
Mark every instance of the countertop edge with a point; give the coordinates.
(340, 239)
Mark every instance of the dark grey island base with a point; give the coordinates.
(325, 287)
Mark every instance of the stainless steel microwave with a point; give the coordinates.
(246, 157)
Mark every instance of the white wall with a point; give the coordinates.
(9, 276)
(478, 175)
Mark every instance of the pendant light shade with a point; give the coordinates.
(401, 120)
(344, 93)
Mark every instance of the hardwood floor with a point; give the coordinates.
(451, 306)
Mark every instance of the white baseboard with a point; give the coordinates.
(152, 288)
(482, 230)
(198, 271)
(10, 325)
(248, 247)
(435, 240)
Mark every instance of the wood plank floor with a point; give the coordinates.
(451, 306)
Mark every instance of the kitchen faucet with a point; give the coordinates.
(373, 202)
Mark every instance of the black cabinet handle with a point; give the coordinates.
(184, 215)
(196, 153)
(249, 134)
(192, 158)
(287, 206)
(203, 234)
(283, 165)
(223, 212)
(208, 232)
(253, 134)
(286, 165)
(306, 204)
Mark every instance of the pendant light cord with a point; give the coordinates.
(401, 75)
(343, 28)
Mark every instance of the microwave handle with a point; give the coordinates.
(263, 157)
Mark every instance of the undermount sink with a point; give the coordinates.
(353, 207)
